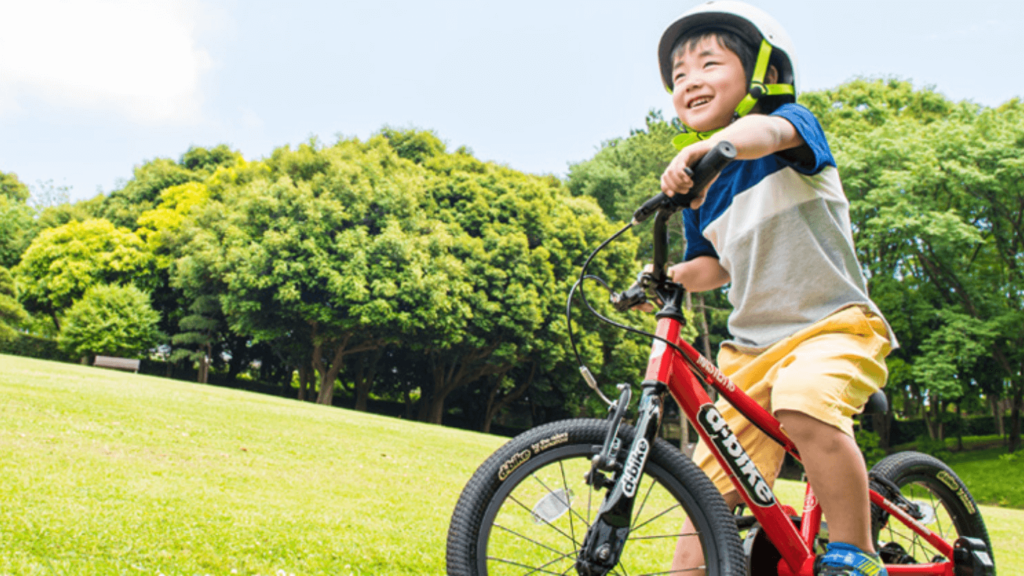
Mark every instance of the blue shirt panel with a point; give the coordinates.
(741, 175)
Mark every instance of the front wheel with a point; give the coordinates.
(527, 509)
(940, 500)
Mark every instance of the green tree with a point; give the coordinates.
(110, 320)
(17, 229)
(523, 240)
(208, 160)
(142, 192)
(17, 219)
(329, 251)
(62, 263)
(12, 314)
(61, 214)
(199, 333)
(12, 188)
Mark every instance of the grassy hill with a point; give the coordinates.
(103, 472)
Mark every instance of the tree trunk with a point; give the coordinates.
(204, 365)
(1015, 420)
(933, 419)
(365, 375)
(305, 380)
(328, 374)
(882, 425)
(407, 395)
(959, 427)
(463, 369)
(705, 338)
(494, 407)
(435, 410)
(362, 396)
(997, 413)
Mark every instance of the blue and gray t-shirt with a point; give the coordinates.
(780, 226)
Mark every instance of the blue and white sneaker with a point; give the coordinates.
(848, 560)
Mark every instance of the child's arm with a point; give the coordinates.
(700, 274)
(754, 136)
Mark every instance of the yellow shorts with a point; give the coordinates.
(827, 371)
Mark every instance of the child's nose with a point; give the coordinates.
(692, 83)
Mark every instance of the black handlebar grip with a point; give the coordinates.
(649, 207)
(706, 169)
(631, 297)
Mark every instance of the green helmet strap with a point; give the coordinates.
(757, 90)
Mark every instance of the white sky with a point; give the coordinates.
(91, 88)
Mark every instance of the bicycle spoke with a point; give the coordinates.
(568, 504)
(642, 504)
(679, 571)
(530, 540)
(533, 569)
(666, 511)
(937, 509)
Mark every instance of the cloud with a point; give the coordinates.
(138, 57)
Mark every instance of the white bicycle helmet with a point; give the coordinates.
(755, 27)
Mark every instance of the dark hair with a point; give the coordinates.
(747, 54)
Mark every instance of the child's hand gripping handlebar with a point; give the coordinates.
(703, 173)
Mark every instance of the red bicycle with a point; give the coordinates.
(534, 507)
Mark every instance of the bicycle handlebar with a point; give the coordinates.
(702, 173)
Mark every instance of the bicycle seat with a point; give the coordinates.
(877, 404)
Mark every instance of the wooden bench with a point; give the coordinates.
(118, 363)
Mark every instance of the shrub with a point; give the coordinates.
(110, 320)
(11, 312)
(931, 447)
(868, 442)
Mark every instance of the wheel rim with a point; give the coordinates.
(520, 540)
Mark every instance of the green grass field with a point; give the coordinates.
(103, 472)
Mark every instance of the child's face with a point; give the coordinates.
(708, 84)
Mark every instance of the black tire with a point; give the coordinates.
(494, 529)
(925, 480)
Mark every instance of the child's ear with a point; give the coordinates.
(772, 76)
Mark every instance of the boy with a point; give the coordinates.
(807, 341)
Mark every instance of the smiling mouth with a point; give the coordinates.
(698, 102)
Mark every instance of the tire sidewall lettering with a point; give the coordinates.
(523, 456)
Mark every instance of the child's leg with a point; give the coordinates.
(688, 555)
(836, 472)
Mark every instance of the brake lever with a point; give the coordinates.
(628, 298)
(637, 293)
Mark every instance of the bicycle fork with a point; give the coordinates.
(603, 543)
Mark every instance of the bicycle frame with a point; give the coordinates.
(667, 367)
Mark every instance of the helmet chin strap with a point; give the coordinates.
(757, 90)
